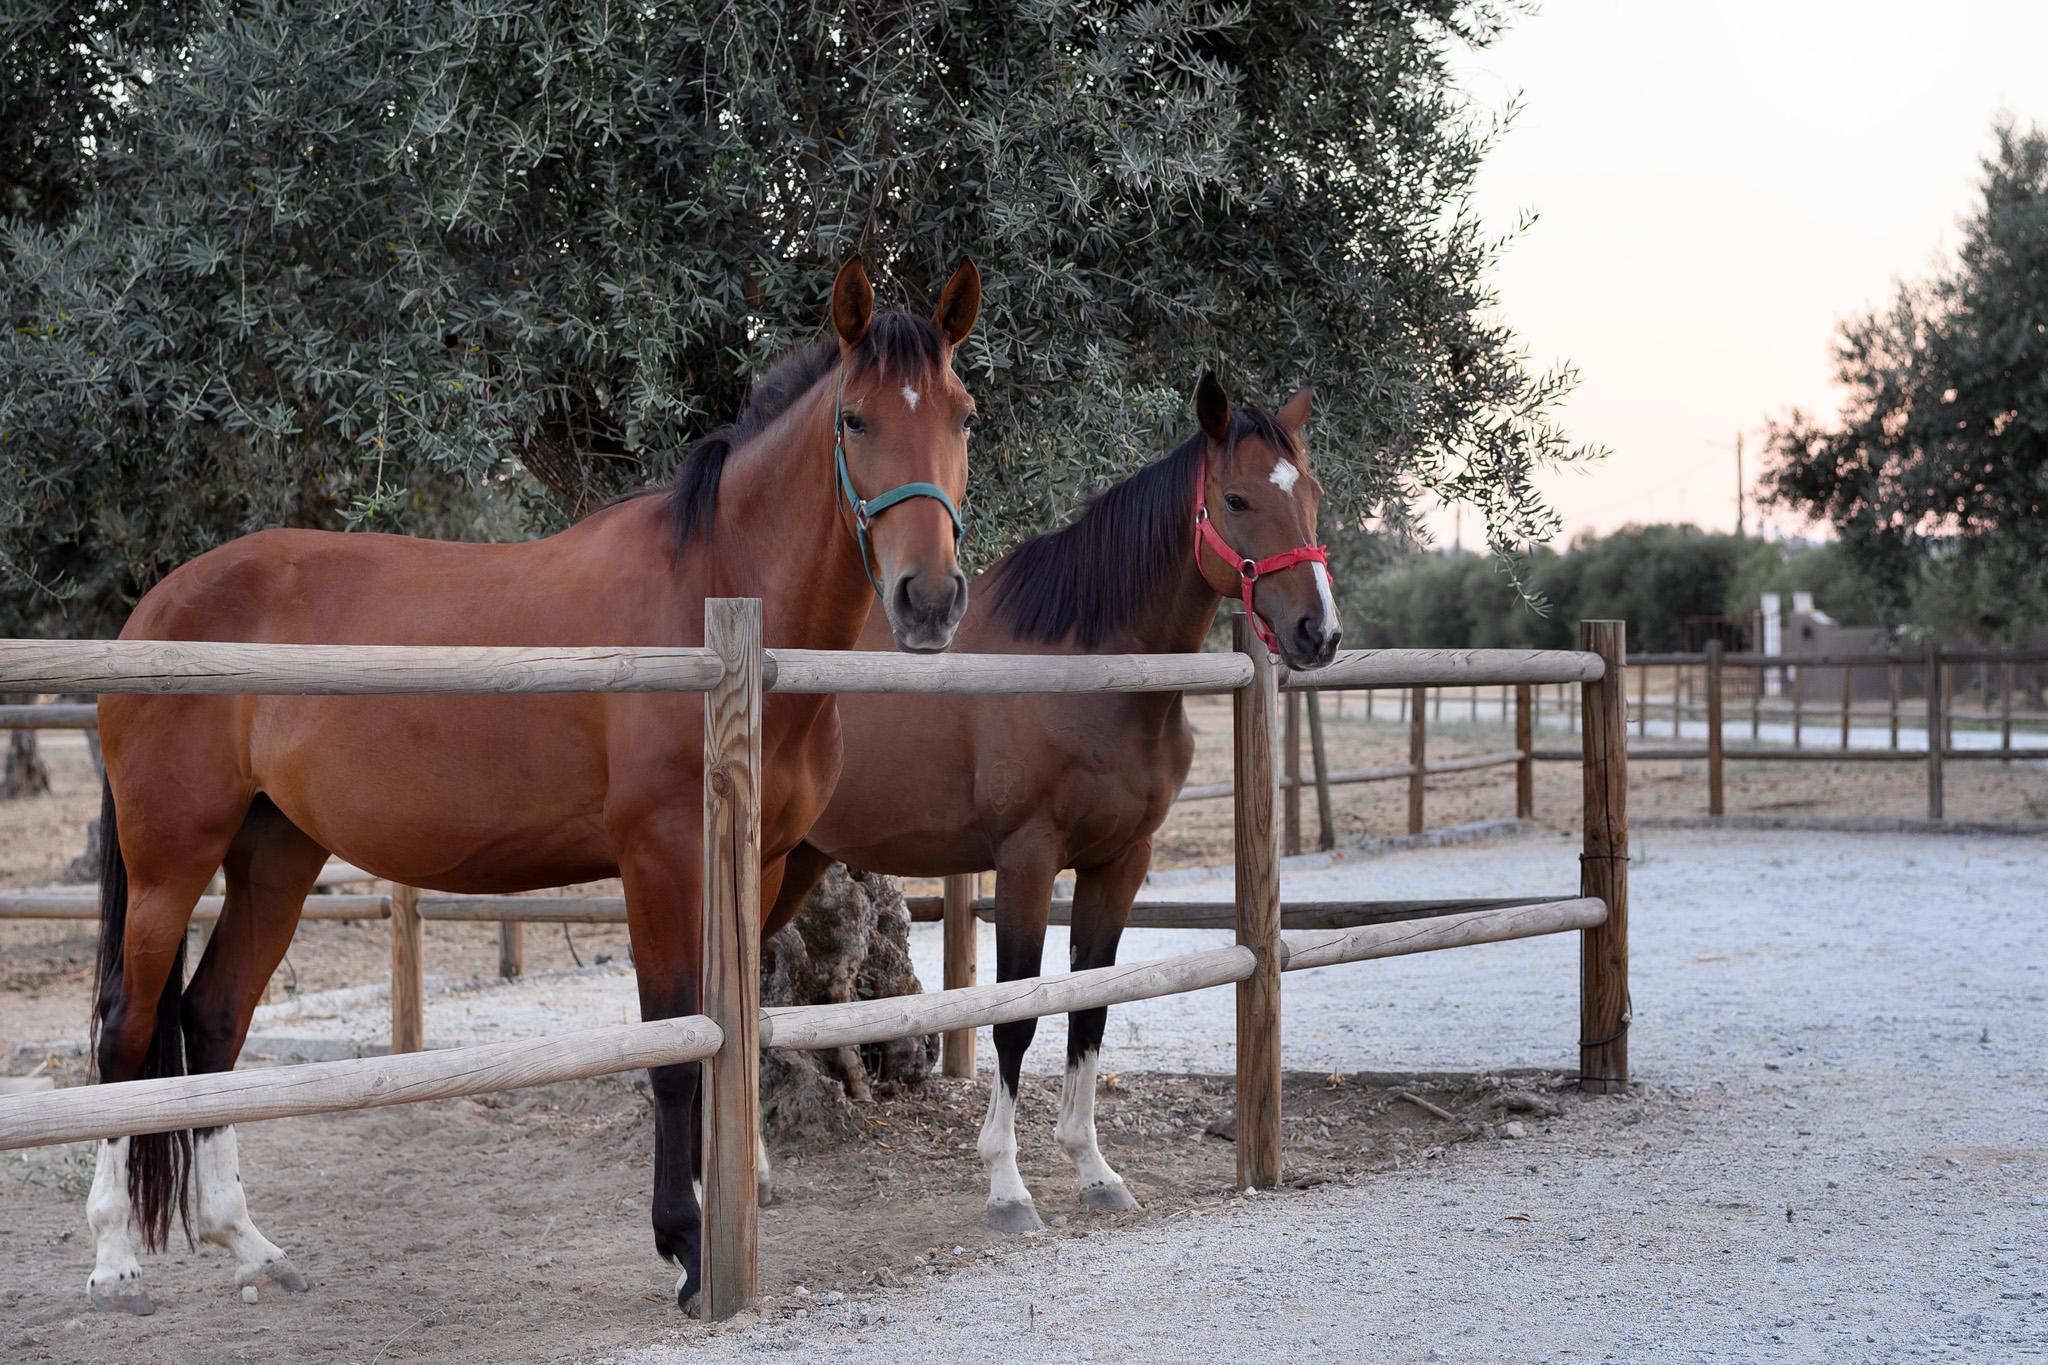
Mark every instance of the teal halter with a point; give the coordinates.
(866, 510)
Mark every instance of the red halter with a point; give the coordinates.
(1249, 571)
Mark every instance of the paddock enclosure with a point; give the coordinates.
(733, 672)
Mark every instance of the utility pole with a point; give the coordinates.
(1739, 487)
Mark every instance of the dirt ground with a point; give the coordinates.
(515, 1226)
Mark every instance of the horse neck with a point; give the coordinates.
(781, 534)
(1178, 618)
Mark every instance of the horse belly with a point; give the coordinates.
(466, 794)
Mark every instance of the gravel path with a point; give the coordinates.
(1837, 1152)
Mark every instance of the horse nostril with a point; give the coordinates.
(901, 602)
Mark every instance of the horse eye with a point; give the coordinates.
(970, 422)
(1235, 503)
(852, 423)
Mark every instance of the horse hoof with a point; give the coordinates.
(273, 1277)
(1014, 1215)
(764, 1194)
(122, 1297)
(1109, 1197)
(693, 1307)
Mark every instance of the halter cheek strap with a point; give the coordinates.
(865, 510)
(1250, 571)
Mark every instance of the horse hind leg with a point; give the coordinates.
(1102, 906)
(1023, 903)
(270, 869)
(139, 1183)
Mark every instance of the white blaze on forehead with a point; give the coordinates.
(910, 396)
(1284, 474)
(1322, 577)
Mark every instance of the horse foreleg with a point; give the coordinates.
(1102, 906)
(1023, 903)
(661, 864)
(269, 870)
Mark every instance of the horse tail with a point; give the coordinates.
(159, 1164)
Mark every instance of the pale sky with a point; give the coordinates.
(1717, 185)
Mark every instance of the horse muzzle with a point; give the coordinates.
(925, 609)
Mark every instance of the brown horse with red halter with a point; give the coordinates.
(1028, 785)
(508, 793)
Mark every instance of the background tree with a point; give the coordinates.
(1937, 465)
(468, 270)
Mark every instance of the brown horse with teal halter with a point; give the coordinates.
(1028, 785)
(508, 793)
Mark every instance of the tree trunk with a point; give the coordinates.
(27, 774)
(851, 942)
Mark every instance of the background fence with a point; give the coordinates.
(733, 670)
(1714, 687)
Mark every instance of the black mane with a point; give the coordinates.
(898, 344)
(1092, 577)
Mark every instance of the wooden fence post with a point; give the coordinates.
(1291, 828)
(1677, 700)
(1604, 1010)
(732, 957)
(1475, 703)
(1258, 918)
(408, 971)
(962, 940)
(2005, 709)
(1891, 678)
(511, 949)
(1848, 700)
(1798, 702)
(1525, 766)
(1757, 677)
(1319, 755)
(1416, 743)
(1643, 701)
(1714, 745)
(1935, 734)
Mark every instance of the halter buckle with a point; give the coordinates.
(1248, 571)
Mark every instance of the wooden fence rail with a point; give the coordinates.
(734, 672)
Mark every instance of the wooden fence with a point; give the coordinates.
(734, 671)
(1702, 684)
(1707, 685)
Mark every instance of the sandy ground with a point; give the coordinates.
(1834, 1154)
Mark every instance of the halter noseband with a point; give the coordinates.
(865, 510)
(1250, 571)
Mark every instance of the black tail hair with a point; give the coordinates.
(159, 1164)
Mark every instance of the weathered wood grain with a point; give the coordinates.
(408, 971)
(1445, 668)
(831, 670)
(1256, 838)
(1330, 947)
(1604, 1011)
(182, 666)
(157, 1106)
(815, 1027)
(962, 935)
(732, 957)
(85, 905)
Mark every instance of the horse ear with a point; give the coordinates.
(959, 304)
(1294, 415)
(1212, 408)
(853, 303)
